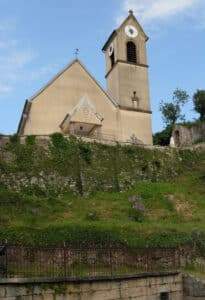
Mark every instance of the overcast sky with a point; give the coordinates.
(38, 37)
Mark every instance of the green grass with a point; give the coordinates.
(173, 211)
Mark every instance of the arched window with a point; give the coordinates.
(131, 52)
(112, 58)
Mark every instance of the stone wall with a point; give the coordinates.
(194, 289)
(54, 166)
(142, 287)
(187, 135)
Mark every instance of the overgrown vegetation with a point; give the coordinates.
(134, 196)
(71, 165)
(162, 138)
(199, 103)
(172, 110)
(172, 114)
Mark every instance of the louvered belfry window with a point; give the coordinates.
(112, 58)
(131, 52)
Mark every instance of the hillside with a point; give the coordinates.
(156, 211)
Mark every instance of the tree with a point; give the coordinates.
(199, 103)
(162, 138)
(171, 111)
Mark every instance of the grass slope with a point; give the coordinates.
(174, 211)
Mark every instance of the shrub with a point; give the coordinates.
(57, 140)
(163, 138)
(31, 140)
(92, 216)
(14, 139)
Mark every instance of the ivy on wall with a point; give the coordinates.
(69, 164)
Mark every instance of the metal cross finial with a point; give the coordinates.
(131, 12)
(77, 53)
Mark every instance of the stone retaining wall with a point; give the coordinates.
(194, 288)
(141, 287)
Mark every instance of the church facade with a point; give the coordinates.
(73, 102)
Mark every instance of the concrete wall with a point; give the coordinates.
(141, 287)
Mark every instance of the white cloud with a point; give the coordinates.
(13, 63)
(149, 11)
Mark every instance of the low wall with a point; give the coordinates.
(140, 287)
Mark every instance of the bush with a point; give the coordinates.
(163, 138)
(57, 140)
(14, 139)
(92, 216)
(30, 140)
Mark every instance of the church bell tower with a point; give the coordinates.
(126, 66)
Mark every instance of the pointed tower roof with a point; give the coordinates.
(114, 33)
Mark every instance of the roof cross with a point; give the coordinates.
(76, 53)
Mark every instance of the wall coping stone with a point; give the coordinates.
(19, 281)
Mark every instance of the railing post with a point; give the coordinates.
(6, 262)
(111, 262)
(3, 261)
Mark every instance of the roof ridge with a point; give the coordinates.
(52, 80)
(62, 71)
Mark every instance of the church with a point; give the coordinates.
(74, 103)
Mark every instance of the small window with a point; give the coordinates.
(135, 100)
(112, 58)
(164, 296)
(131, 52)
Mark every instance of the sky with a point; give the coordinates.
(38, 38)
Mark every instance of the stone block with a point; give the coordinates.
(48, 297)
(61, 297)
(2, 292)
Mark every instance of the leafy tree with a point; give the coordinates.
(199, 103)
(171, 111)
(163, 138)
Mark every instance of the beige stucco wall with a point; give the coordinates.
(136, 123)
(125, 78)
(120, 41)
(148, 288)
(50, 107)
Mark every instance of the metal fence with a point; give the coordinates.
(83, 262)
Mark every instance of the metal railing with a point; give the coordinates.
(86, 262)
